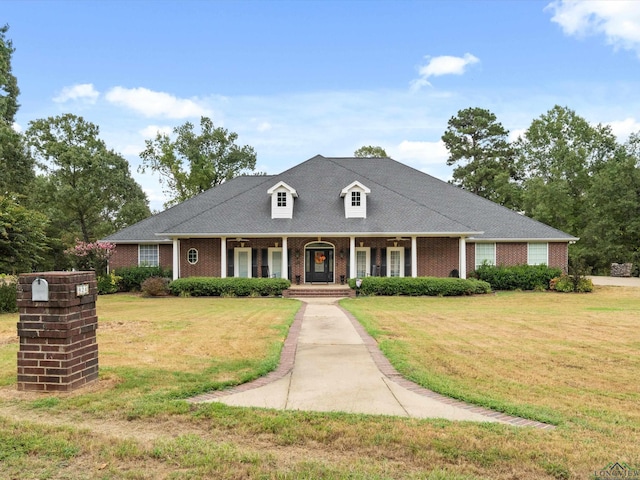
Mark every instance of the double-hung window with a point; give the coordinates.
(538, 254)
(148, 255)
(485, 253)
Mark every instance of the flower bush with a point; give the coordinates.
(90, 256)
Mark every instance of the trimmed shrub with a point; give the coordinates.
(132, 277)
(108, 283)
(155, 287)
(420, 286)
(228, 287)
(8, 294)
(519, 277)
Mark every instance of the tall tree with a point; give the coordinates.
(22, 237)
(90, 189)
(193, 163)
(479, 147)
(15, 163)
(369, 151)
(557, 155)
(612, 210)
(9, 90)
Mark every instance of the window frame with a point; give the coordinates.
(236, 261)
(480, 259)
(197, 256)
(281, 199)
(141, 255)
(400, 250)
(356, 198)
(367, 252)
(271, 263)
(530, 254)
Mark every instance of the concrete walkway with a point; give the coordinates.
(330, 364)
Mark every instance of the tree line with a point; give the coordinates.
(61, 186)
(562, 171)
(60, 183)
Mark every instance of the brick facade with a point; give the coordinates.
(437, 257)
(126, 255)
(516, 253)
(58, 348)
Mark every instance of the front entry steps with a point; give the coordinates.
(311, 290)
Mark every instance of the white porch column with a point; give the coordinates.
(285, 260)
(353, 271)
(223, 257)
(414, 256)
(176, 258)
(463, 257)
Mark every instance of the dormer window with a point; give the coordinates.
(282, 199)
(355, 200)
(282, 196)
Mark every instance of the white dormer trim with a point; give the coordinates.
(355, 200)
(282, 196)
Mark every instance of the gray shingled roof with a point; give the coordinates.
(403, 201)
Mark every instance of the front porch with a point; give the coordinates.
(320, 260)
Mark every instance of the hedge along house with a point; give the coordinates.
(329, 219)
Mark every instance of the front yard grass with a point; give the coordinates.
(572, 360)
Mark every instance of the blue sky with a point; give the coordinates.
(300, 78)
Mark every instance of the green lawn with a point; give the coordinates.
(572, 360)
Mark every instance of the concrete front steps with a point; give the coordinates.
(318, 290)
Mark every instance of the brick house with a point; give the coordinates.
(329, 219)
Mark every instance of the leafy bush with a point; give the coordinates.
(431, 286)
(519, 277)
(109, 283)
(132, 277)
(570, 283)
(155, 287)
(8, 294)
(228, 287)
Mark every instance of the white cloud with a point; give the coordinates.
(517, 133)
(263, 127)
(618, 21)
(443, 65)
(16, 127)
(151, 131)
(131, 150)
(156, 104)
(83, 91)
(623, 128)
(422, 153)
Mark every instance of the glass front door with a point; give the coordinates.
(319, 265)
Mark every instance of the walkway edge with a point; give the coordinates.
(285, 366)
(389, 371)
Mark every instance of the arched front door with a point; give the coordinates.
(319, 262)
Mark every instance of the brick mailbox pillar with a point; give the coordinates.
(57, 330)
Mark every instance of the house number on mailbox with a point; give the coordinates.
(82, 289)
